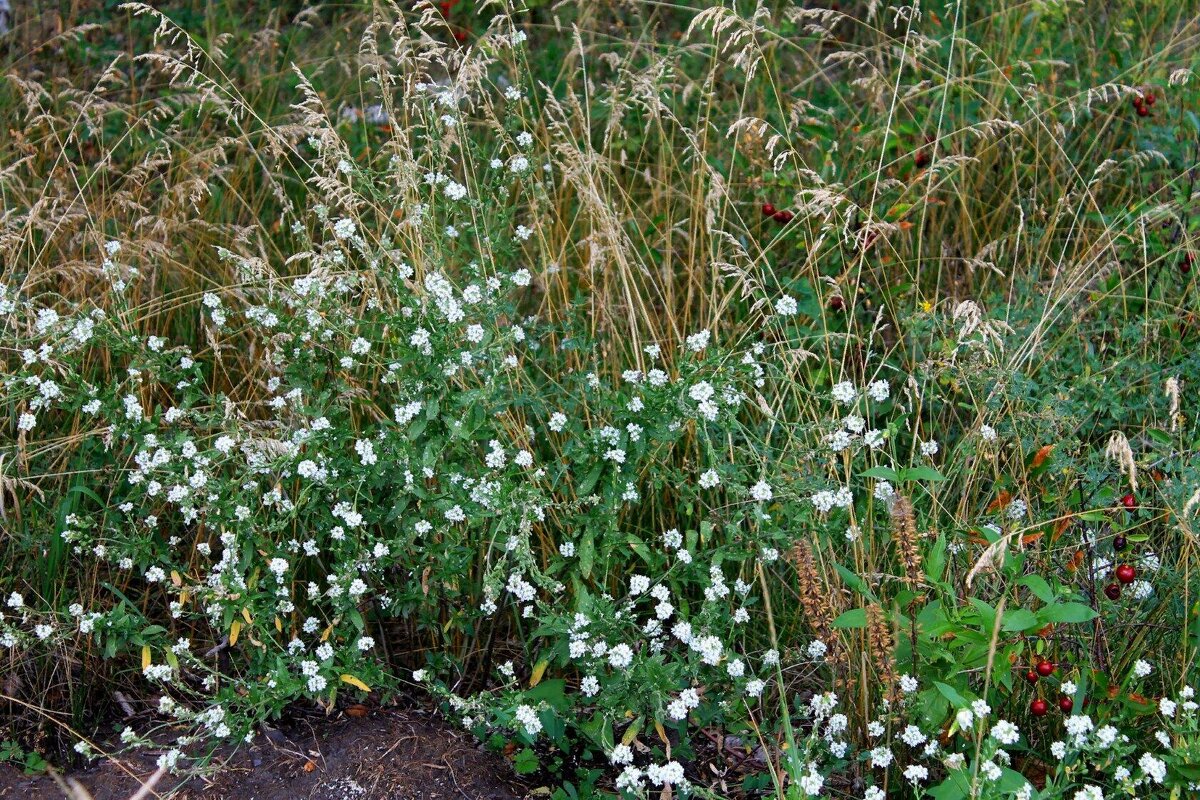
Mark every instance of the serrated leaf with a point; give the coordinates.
(526, 762)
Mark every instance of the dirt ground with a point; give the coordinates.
(387, 755)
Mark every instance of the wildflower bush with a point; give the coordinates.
(820, 379)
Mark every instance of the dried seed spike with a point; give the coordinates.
(904, 534)
(815, 597)
(882, 647)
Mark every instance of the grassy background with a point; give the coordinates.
(986, 151)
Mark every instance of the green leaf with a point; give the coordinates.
(553, 691)
(951, 694)
(526, 762)
(1020, 619)
(587, 553)
(955, 787)
(934, 708)
(1011, 780)
(886, 473)
(935, 563)
(1160, 436)
(589, 481)
(1067, 612)
(1037, 584)
(638, 547)
(987, 614)
(855, 581)
(854, 618)
(923, 474)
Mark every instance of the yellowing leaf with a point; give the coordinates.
(183, 598)
(176, 579)
(662, 734)
(279, 624)
(234, 630)
(356, 683)
(325, 634)
(246, 616)
(631, 733)
(539, 670)
(145, 656)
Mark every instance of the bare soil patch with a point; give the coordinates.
(387, 755)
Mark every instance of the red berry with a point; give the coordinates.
(1031, 676)
(1039, 707)
(1138, 100)
(1150, 98)
(1120, 543)
(836, 303)
(783, 217)
(1113, 591)
(1045, 668)
(1143, 111)
(1126, 573)
(768, 209)
(1066, 704)
(921, 159)
(1129, 501)
(1185, 265)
